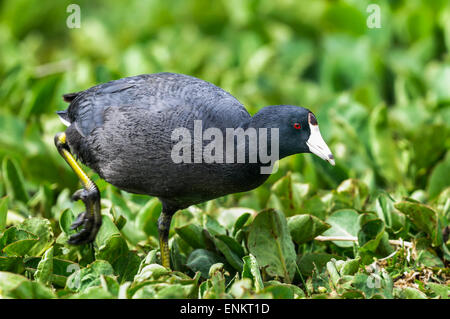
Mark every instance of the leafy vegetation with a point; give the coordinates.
(374, 226)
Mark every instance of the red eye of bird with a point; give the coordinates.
(297, 126)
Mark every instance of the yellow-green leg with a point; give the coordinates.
(91, 219)
(163, 229)
(165, 252)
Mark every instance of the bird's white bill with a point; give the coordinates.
(318, 146)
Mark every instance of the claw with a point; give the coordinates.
(83, 237)
(80, 195)
(90, 220)
(78, 221)
(88, 232)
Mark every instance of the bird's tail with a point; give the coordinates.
(69, 97)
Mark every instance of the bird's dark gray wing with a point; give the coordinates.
(159, 91)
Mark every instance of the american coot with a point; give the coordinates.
(124, 131)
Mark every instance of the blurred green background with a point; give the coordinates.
(381, 96)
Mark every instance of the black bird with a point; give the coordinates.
(178, 138)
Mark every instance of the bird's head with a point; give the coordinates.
(298, 130)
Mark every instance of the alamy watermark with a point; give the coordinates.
(374, 19)
(377, 277)
(74, 268)
(73, 21)
(237, 146)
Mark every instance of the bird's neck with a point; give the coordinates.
(264, 119)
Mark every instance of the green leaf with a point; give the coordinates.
(213, 226)
(108, 230)
(344, 18)
(311, 261)
(119, 208)
(279, 291)
(228, 217)
(271, 244)
(296, 292)
(3, 212)
(151, 272)
(177, 257)
(251, 271)
(124, 262)
(20, 247)
(13, 178)
(112, 249)
(384, 207)
(429, 145)
(120, 222)
(316, 207)
(384, 150)
(340, 271)
(175, 291)
(409, 293)
(202, 260)
(147, 217)
(304, 228)
(42, 228)
(241, 289)
(214, 287)
(352, 294)
(372, 239)
(119, 203)
(429, 259)
(110, 284)
(379, 283)
(164, 291)
(232, 251)
(151, 258)
(234, 246)
(193, 235)
(19, 287)
(45, 268)
(333, 271)
(439, 79)
(443, 291)
(439, 178)
(240, 222)
(126, 266)
(42, 95)
(13, 234)
(355, 191)
(370, 234)
(287, 195)
(424, 218)
(87, 277)
(344, 223)
(350, 267)
(61, 269)
(93, 293)
(12, 264)
(65, 221)
(111, 245)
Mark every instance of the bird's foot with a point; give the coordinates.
(90, 220)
